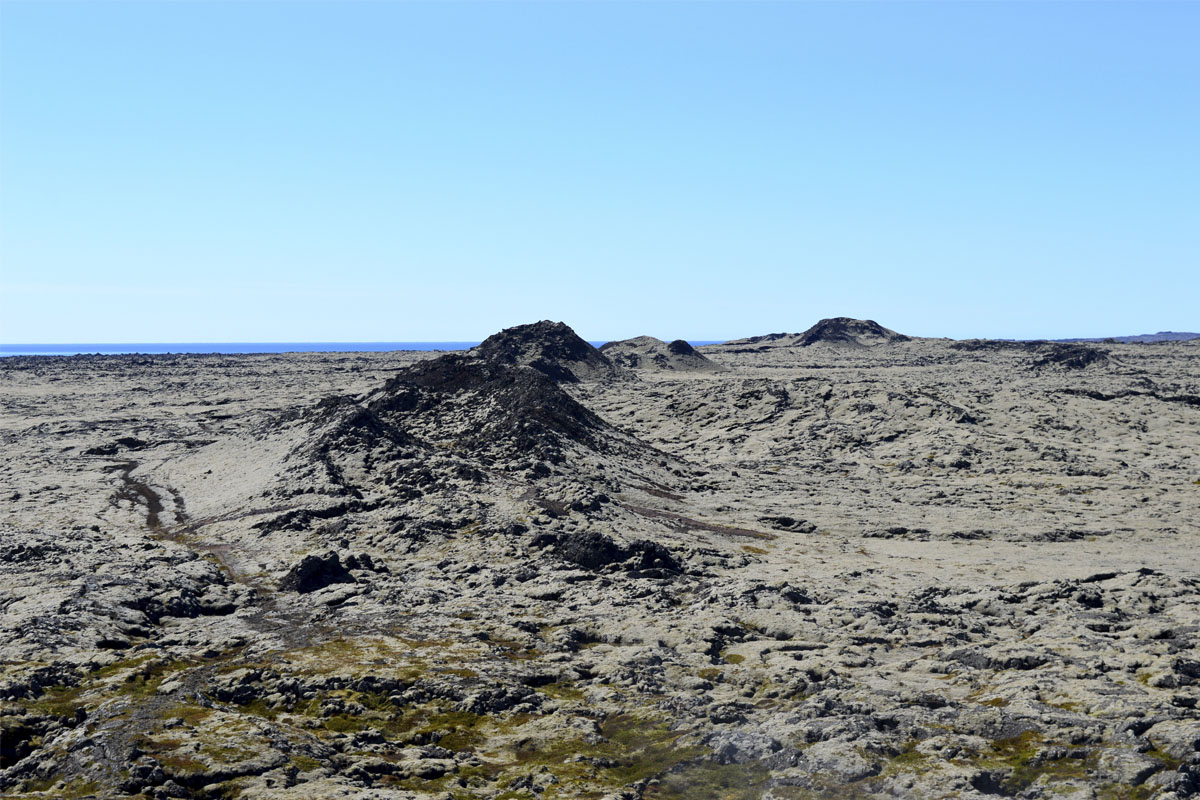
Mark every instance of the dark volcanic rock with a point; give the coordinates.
(592, 550)
(788, 524)
(17, 738)
(347, 425)
(457, 404)
(647, 555)
(766, 337)
(845, 330)
(994, 345)
(315, 572)
(440, 425)
(522, 411)
(551, 348)
(300, 519)
(124, 443)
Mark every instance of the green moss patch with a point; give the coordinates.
(732, 658)
(304, 763)
(563, 690)
(57, 701)
(71, 790)
(64, 701)
(633, 749)
(908, 760)
(1024, 758)
(454, 730)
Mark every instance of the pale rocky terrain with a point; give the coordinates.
(844, 563)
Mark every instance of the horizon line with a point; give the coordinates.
(473, 342)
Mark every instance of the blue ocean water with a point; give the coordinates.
(155, 348)
(159, 348)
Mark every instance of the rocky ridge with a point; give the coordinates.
(1142, 338)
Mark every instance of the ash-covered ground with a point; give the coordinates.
(838, 564)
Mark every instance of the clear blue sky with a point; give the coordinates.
(304, 171)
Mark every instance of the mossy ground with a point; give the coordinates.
(191, 739)
(53, 787)
(641, 746)
(139, 676)
(633, 748)
(1026, 760)
(708, 779)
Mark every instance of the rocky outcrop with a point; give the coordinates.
(593, 550)
(1042, 355)
(436, 433)
(648, 353)
(1069, 356)
(487, 406)
(316, 572)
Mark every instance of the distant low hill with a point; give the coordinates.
(648, 353)
(838, 331)
(1161, 336)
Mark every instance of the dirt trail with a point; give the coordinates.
(270, 617)
(137, 492)
(185, 530)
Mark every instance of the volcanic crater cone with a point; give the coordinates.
(464, 412)
(443, 425)
(420, 456)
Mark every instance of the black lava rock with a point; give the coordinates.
(788, 524)
(315, 572)
(551, 348)
(592, 550)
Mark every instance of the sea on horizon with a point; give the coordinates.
(221, 348)
(231, 348)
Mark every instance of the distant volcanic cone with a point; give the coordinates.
(844, 330)
(648, 353)
(833, 331)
